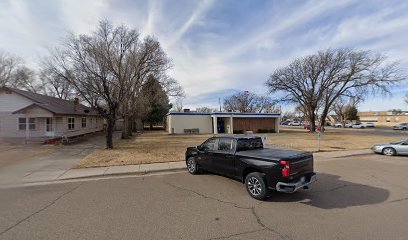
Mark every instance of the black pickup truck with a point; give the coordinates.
(261, 169)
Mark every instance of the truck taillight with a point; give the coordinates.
(285, 168)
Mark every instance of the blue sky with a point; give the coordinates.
(220, 47)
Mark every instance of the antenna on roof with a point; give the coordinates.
(219, 102)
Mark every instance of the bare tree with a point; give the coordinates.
(206, 110)
(171, 86)
(315, 82)
(8, 68)
(249, 102)
(13, 73)
(342, 108)
(54, 83)
(178, 104)
(151, 60)
(101, 68)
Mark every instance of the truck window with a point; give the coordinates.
(209, 145)
(249, 144)
(225, 144)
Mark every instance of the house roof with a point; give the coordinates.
(229, 114)
(55, 105)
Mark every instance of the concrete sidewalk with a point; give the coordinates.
(122, 170)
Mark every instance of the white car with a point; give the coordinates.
(402, 126)
(369, 125)
(338, 125)
(357, 125)
(295, 123)
(349, 125)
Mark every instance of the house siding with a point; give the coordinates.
(10, 101)
(9, 128)
(177, 123)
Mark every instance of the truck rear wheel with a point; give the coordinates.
(256, 186)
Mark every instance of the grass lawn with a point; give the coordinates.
(153, 147)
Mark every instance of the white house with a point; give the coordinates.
(222, 122)
(29, 115)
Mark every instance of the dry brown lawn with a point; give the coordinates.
(153, 147)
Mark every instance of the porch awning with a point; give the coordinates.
(34, 110)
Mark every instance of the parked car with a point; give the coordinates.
(338, 125)
(357, 125)
(402, 126)
(260, 169)
(390, 149)
(286, 122)
(349, 125)
(369, 125)
(307, 126)
(294, 123)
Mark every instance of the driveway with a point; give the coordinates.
(36, 163)
(356, 197)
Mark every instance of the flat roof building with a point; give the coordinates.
(221, 122)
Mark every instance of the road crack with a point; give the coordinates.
(399, 200)
(40, 210)
(235, 205)
(208, 197)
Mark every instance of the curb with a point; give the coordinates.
(136, 173)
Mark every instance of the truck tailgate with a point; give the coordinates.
(300, 165)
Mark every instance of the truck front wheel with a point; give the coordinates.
(256, 186)
(192, 165)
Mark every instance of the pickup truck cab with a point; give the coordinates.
(261, 169)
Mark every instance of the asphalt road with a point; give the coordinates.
(359, 197)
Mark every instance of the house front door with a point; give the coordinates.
(49, 127)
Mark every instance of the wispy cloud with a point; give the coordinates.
(202, 7)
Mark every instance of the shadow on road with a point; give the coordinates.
(330, 192)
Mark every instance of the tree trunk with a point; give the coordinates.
(130, 127)
(323, 119)
(125, 132)
(312, 118)
(109, 132)
(150, 126)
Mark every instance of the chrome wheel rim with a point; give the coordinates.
(191, 165)
(254, 186)
(388, 152)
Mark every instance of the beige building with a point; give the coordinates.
(29, 115)
(221, 122)
(387, 118)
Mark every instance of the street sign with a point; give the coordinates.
(319, 137)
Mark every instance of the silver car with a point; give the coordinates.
(391, 149)
(402, 126)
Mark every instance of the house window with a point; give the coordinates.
(83, 122)
(71, 123)
(48, 125)
(22, 123)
